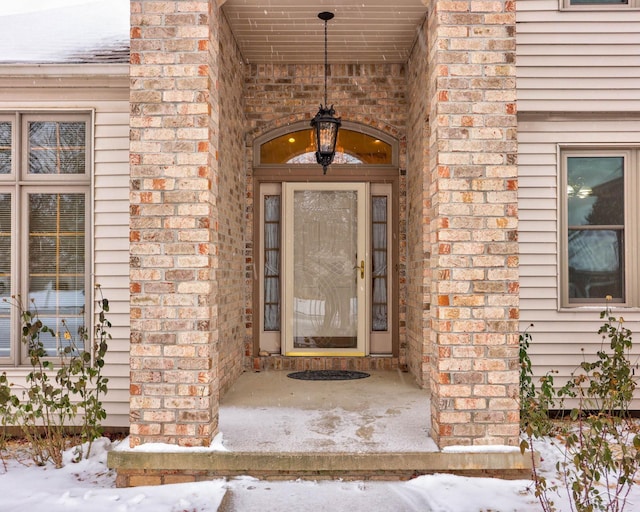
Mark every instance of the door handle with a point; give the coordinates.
(361, 269)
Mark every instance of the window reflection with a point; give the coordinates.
(595, 209)
(57, 147)
(325, 228)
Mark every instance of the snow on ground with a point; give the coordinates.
(90, 485)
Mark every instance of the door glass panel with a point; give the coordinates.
(272, 263)
(379, 303)
(325, 251)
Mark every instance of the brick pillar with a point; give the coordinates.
(473, 190)
(174, 381)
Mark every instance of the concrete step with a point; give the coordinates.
(136, 467)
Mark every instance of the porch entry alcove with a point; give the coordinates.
(326, 249)
(399, 257)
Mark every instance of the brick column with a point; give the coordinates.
(174, 116)
(473, 190)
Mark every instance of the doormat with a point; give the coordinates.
(327, 375)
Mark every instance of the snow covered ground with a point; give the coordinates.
(90, 485)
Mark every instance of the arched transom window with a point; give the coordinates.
(353, 148)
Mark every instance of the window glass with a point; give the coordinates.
(5, 274)
(595, 211)
(352, 148)
(57, 263)
(591, 2)
(57, 147)
(5, 147)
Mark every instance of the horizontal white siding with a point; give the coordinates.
(108, 97)
(111, 244)
(559, 336)
(577, 60)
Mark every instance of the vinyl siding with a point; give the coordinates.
(106, 92)
(559, 336)
(111, 243)
(574, 60)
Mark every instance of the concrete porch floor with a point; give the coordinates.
(270, 412)
(275, 427)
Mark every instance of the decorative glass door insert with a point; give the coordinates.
(326, 269)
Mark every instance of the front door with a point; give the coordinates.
(326, 269)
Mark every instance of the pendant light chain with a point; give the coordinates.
(326, 62)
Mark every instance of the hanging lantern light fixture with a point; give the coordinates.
(324, 124)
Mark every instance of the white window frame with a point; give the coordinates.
(19, 183)
(566, 5)
(631, 155)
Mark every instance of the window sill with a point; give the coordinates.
(598, 308)
(599, 8)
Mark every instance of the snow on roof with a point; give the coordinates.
(64, 31)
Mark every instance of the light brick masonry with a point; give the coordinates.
(174, 134)
(472, 210)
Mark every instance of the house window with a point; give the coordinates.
(598, 241)
(44, 226)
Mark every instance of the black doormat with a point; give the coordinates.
(327, 375)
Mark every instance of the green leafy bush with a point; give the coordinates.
(535, 403)
(58, 394)
(600, 445)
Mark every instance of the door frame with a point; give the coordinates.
(309, 173)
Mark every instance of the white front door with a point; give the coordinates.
(326, 269)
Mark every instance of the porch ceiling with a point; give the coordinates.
(289, 31)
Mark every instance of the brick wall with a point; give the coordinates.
(418, 214)
(230, 197)
(474, 254)
(371, 94)
(174, 141)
